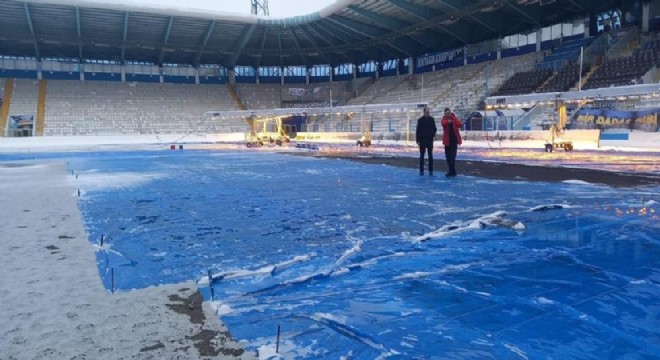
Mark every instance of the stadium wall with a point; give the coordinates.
(142, 78)
(211, 80)
(179, 79)
(103, 76)
(20, 74)
(59, 75)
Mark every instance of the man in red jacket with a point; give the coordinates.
(451, 138)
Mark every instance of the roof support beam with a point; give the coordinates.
(240, 44)
(420, 12)
(453, 34)
(389, 23)
(279, 44)
(166, 38)
(523, 13)
(34, 37)
(578, 6)
(263, 44)
(424, 14)
(209, 31)
(357, 27)
(124, 37)
(427, 40)
(370, 33)
(327, 35)
(337, 34)
(308, 38)
(79, 32)
(295, 41)
(453, 7)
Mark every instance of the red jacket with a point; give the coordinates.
(457, 125)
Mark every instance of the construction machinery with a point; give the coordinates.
(256, 138)
(365, 140)
(554, 139)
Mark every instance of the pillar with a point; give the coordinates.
(231, 75)
(645, 16)
(586, 27)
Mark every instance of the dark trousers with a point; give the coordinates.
(422, 150)
(450, 155)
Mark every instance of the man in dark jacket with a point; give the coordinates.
(451, 138)
(424, 135)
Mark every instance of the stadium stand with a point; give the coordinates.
(624, 71)
(524, 82)
(569, 51)
(260, 96)
(622, 42)
(619, 70)
(114, 108)
(460, 88)
(315, 94)
(649, 47)
(24, 97)
(564, 79)
(272, 96)
(377, 89)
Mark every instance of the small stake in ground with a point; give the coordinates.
(112, 280)
(211, 285)
(277, 344)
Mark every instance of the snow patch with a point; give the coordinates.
(577, 182)
(550, 207)
(516, 350)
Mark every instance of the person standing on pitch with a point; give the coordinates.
(451, 138)
(424, 135)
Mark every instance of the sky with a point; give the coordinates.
(278, 8)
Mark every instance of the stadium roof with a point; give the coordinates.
(349, 31)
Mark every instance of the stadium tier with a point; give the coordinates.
(114, 108)
(24, 97)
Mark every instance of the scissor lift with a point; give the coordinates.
(554, 139)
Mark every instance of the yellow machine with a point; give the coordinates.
(255, 138)
(365, 140)
(554, 139)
